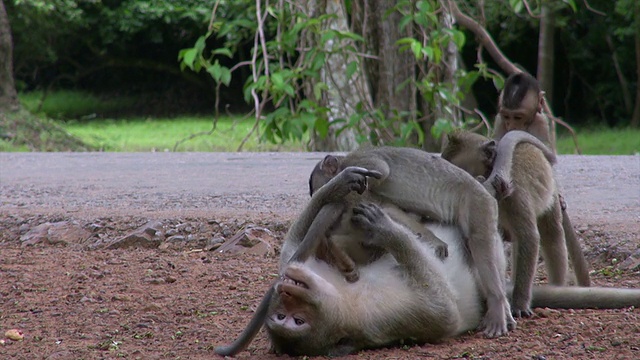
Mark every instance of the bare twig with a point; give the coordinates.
(526, 5)
(484, 122)
(586, 3)
(259, 39)
(483, 37)
(550, 115)
(213, 15)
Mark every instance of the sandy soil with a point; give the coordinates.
(77, 300)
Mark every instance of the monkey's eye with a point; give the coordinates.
(281, 316)
(299, 321)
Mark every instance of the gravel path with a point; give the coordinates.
(600, 190)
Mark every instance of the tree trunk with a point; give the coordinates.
(8, 95)
(635, 118)
(546, 58)
(342, 94)
(546, 45)
(378, 23)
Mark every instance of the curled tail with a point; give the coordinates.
(566, 297)
(251, 330)
(500, 178)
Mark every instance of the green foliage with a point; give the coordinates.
(69, 40)
(280, 70)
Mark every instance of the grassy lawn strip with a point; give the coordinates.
(132, 135)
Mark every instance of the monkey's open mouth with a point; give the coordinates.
(287, 280)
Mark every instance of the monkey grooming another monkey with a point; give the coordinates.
(406, 294)
(520, 108)
(425, 184)
(528, 206)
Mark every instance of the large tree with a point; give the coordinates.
(8, 95)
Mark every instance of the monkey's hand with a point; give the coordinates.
(350, 179)
(376, 224)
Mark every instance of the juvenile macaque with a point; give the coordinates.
(426, 185)
(529, 207)
(404, 294)
(520, 108)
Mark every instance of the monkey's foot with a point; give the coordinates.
(497, 322)
(442, 251)
(352, 276)
(524, 312)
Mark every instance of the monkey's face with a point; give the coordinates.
(302, 318)
(324, 171)
(519, 118)
(471, 152)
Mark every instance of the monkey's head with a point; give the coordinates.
(520, 100)
(304, 318)
(324, 171)
(471, 152)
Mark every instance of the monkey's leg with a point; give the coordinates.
(525, 246)
(440, 247)
(335, 191)
(554, 247)
(330, 253)
(478, 222)
(580, 265)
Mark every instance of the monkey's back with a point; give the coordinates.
(532, 177)
(418, 181)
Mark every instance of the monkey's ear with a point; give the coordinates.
(541, 101)
(330, 165)
(489, 151)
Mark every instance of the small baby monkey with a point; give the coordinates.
(520, 108)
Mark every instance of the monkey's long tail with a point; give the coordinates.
(565, 297)
(251, 330)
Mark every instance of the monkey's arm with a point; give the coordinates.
(418, 266)
(334, 192)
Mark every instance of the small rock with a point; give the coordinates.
(251, 239)
(171, 232)
(145, 236)
(14, 334)
(24, 228)
(95, 227)
(176, 238)
(214, 243)
(632, 262)
(63, 232)
(152, 307)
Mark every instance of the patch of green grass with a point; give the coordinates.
(69, 104)
(601, 141)
(133, 135)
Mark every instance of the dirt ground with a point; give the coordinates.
(79, 300)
